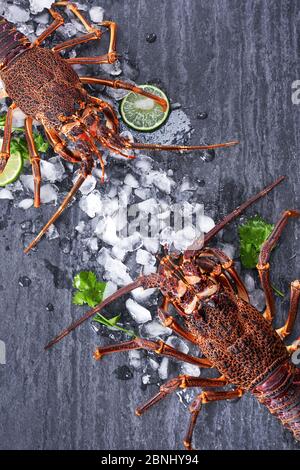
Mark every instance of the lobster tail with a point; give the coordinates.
(280, 393)
(12, 42)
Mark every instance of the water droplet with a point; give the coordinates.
(208, 156)
(24, 281)
(26, 225)
(202, 115)
(151, 38)
(123, 373)
(65, 246)
(49, 307)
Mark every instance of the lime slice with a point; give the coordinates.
(142, 113)
(12, 170)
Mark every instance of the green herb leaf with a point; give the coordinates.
(89, 290)
(19, 144)
(277, 291)
(252, 235)
(41, 144)
(112, 323)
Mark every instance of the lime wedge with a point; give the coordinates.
(12, 170)
(142, 113)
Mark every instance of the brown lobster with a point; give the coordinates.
(46, 88)
(216, 315)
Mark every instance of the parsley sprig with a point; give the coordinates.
(253, 233)
(90, 291)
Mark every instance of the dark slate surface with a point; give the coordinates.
(237, 61)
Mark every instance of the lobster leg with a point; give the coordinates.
(195, 408)
(94, 33)
(34, 160)
(182, 381)
(170, 322)
(294, 305)
(5, 150)
(159, 347)
(108, 111)
(227, 264)
(125, 86)
(80, 180)
(58, 21)
(263, 265)
(59, 146)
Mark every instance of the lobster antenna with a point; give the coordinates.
(233, 215)
(239, 210)
(57, 214)
(140, 281)
(183, 148)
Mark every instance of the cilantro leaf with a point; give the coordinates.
(252, 235)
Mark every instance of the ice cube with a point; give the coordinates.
(52, 232)
(93, 244)
(161, 181)
(114, 69)
(116, 272)
(131, 243)
(206, 223)
(249, 283)
(16, 14)
(109, 231)
(80, 227)
(131, 181)
(6, 194)
(110, 289)
(149, 269)
(146, 379)
(143, 193)
(96, 14)
(139, 313)
(91, 204)
(118, 252)
(155, 328)
(25, 204)
(135, 359)
(103, 256)
(145, 258)
(141, 295)
(163, 368)
(36, 6)
(18, 118)
(52, 170)
(43, 18)
(228, 249)
(88, 186)
(27, 181)
(183, 238)
(258, 299)
(190, 369)
(151, 244)
(48, 193)
(154, 364)
(143, 164)
(178, 343)
(150, 206)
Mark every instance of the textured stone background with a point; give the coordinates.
(236, 60)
